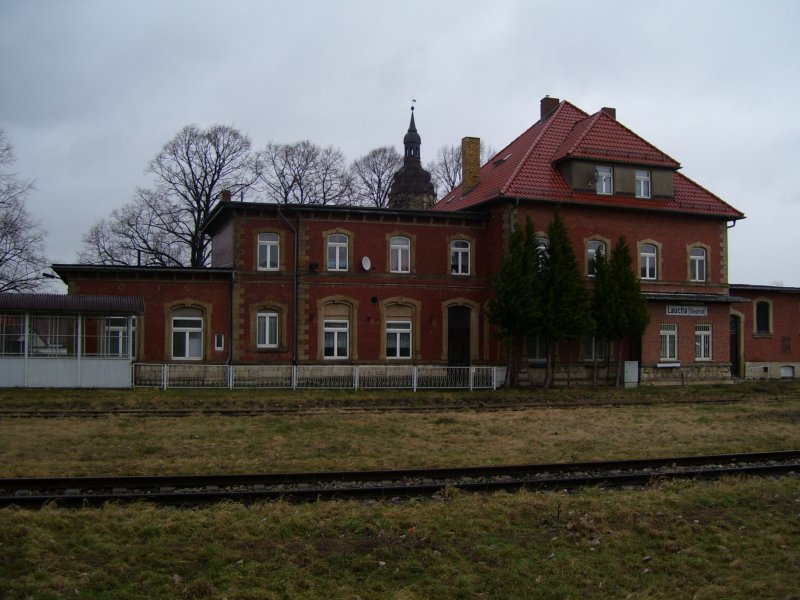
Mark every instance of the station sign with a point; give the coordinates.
(687, 311)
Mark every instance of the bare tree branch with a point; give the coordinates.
(373, 174)
(21, 236)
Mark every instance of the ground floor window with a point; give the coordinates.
(398, 339)
(187, 334)
(537, 348)
(591, 346)
(336, 334)
(702, 341)
(669, 341)
(12, 335)
(267, 330)
(116, 341)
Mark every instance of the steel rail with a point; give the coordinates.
(201, 489)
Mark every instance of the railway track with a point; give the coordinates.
(355, 409)
(190, 490)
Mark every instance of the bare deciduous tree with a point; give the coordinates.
(372, 176)
(164, 225)
(304, 173)
(446, 171)
(21, 236)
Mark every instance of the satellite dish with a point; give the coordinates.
(366, 263)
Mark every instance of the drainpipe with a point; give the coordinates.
(295, 284)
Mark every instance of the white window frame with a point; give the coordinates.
(334, 331)
(642, 184)
(604, 180)
(267, 329)
(460, 253)
(697, 264)
(702, 341)
(648, 261)
(338, 252)
(116, 333)
(219, 342)
(591, 255)
(668, 338)
(396, 332)
(190, 329)
(269, 252)
(399, 254)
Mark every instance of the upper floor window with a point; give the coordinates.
(267, 330)
(399, 255)
(594, 248)
(604, 177)
(648, 261)
(459, 257)
(187, 334)
(697, 264)
(642, 179)
(336, 335)
(337, 252)
(268, 251)
(763, 317)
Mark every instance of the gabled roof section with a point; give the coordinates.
(602, 137)
(526, 169)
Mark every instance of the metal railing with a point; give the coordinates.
(349, 377)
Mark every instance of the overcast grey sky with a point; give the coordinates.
(90, 90)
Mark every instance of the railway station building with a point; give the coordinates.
(409, 284)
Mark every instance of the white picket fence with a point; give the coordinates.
(317, 376)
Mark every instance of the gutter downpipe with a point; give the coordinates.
(295, 284)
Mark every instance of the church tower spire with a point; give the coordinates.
(412, 186)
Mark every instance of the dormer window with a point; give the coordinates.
(604, 178)
(642, 184)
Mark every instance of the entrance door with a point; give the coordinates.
(458, 335)
(736, 330)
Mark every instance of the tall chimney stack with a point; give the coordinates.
(548, 105)
(470, 163)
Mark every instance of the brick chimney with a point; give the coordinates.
(225, 195)
(470, 163)
(548, 105)
(611, 112)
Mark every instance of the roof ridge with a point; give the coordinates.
(551, 118)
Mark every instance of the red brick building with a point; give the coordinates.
(344, 285)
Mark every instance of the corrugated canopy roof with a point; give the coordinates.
(72, 304)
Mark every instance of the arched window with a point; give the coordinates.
(648, 261)
(187, 334)
(697, 264)
(399, 254)
(459, 257)
(267, 332)
(593, 248)
(337, 252)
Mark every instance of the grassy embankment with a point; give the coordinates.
(730, 539)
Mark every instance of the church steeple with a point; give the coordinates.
(411, 185)
(412, 141)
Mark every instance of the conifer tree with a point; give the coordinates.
(630, 311)
(566, 303)
(514, 306)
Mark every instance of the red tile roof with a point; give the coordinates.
(526, 168)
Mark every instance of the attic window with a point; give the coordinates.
(604, 180)
(501, 160)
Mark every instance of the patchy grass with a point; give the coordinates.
(730, 539)
(149, 398)
(129, 445)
